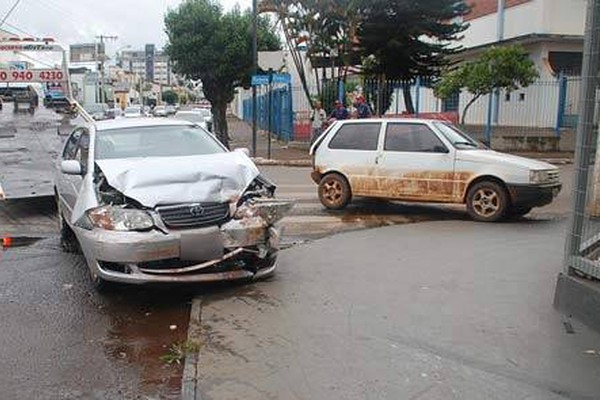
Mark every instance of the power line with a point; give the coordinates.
(9, 12)
(16, 28)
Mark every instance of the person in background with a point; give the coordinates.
(363, 109)
(318, 119)
(339, 111)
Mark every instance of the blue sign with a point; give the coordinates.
(282, 78)
(258, 80)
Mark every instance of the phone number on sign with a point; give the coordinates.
(31, 76)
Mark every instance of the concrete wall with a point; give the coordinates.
(519, 20)
(563, 17)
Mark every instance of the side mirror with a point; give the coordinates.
(243, 150)
(71, 167)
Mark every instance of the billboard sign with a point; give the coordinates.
(32, 75)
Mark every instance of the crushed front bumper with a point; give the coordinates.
(239, 249)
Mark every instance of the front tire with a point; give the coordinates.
(487, 201)
(334, 191)
(517, 212)
(68, 240)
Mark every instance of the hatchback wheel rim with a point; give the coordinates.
(332, 191)
(486, 202)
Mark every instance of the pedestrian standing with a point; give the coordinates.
(363, 109)
(339, 111)
(318, 119)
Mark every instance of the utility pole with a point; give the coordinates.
(102, 38)
(254, 72)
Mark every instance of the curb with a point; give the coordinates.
(189, 380)
(282, 163)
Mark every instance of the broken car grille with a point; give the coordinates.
(194, 214)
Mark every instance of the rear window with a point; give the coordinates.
(356, 137)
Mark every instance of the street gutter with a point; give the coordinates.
(189, 381)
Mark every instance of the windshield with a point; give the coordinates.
(155, 141)
(458, 138)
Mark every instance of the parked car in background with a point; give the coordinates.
(159, 111)
(114, 113)
(133, 111)
(98, 111)
(200, 116)
(170, 110)
(426, 161)
(161, 200)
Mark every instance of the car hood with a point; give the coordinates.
(171, 180)
(490, 156)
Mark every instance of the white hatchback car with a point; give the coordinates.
(426, 161)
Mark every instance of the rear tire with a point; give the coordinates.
(487, 201)
(334, 191)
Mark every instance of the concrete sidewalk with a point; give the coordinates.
(296, 153)
(442, 310)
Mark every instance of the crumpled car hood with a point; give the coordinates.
(171, 180)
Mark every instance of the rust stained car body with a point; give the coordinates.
(426, 161)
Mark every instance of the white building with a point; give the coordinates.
(551, 31)
(150, 65)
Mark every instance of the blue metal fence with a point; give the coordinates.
(281, 112)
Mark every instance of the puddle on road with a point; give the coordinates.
(141, 332)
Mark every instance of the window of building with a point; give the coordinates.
(356, 136)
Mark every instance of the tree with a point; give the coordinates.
(406, 39)
(170, 97)
(506, 67)
(323, 31)
(208, 44)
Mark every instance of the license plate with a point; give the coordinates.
(201, 245)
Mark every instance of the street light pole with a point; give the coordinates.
(254, 71)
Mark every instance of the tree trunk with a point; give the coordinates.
(469, 104)
(408, 102)
(220, 127)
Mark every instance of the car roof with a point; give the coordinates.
(366, 120)
(123, 123)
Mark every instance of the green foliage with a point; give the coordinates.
(170, 97)
(505, 68)
(405, 39)
(208, 44)
(178, 351)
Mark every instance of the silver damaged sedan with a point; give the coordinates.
(154, 200)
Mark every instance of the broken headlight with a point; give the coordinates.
(120, 219)
(269, 210)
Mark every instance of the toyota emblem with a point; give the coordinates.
(196, 210)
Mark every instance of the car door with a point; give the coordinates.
(415, 164)
(76, 148)
(352, 151)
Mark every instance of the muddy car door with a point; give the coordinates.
(415, 164)
(352, 151)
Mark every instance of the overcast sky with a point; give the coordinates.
(135, 22)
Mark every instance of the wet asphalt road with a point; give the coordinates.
(61, 339)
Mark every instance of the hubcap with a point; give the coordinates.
(332, 191)
(486, 202)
